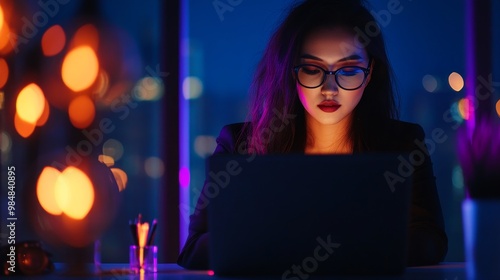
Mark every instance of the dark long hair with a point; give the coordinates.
(277, 118)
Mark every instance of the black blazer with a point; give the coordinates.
(428, 243)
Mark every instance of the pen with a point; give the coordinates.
(142, 231)
(152, 232)
(133, 229)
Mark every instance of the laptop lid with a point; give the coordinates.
(300, 214)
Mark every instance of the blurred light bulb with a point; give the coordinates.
(192, 87)
(23, 128)
(4, 72)
(80, 68)
(53, 40)
(45, 190)
(430, 83)
(456, 81)
(498, 107)
(154, 167)
(465, 108)
(30, 103)
(74, 193)
(81, 111)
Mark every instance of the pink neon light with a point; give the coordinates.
(184, 177)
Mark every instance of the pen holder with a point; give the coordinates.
(482, 238)
(143, 258)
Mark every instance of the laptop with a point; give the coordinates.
(299, 215)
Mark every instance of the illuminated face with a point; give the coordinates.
(331, 49)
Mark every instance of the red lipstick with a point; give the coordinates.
(329, 106)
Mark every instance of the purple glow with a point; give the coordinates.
(184, 177)
(479, 141)
(479, 157)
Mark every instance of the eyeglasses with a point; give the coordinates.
(348, 77)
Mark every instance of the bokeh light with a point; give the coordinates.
(5, 142)
(74, 193)
(148, 89)
(455, 113)
(113, 148)
(109, 161)
(45, 114)
(87, 196)
(4, 72)
(30, 103)
(184, 177)
(7, 42)
(456, 81)
(192, 87)
(120, 177)
(498, 108)
(457, 178)
(1, 17)
(46, 190)
(53, 40)
(465, 108)
(204, 145)
(81, 111)
(86, 35)
(80, 68)
(102, 84)
(4, 30)
(154, 167)
(23, 128)
(430, 83)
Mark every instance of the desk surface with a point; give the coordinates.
(445, 271)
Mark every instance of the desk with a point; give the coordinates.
(445, 271)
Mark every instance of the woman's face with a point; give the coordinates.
(331, 49)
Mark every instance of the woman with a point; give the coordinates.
(325, 87)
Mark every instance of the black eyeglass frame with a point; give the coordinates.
(366, 72)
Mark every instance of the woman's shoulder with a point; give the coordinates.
(234, 128)
(404, 128)
(399, 135)
(234, 131)
(233, 136)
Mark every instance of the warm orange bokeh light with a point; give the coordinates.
(74, 193)
(45, 115)
(4, 72)
(120, 177)
(30, 103)
(1, 17)
(81, 111)
(86, 35)
(498, 108)
(23, 128)
(4, 37)
(456, 81)
(465, 108)
(80, 68)
(109, 161)
(4, 33)
(53, 40)
(102, 84)
(46, 190)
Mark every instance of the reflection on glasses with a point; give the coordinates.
(348, 77)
